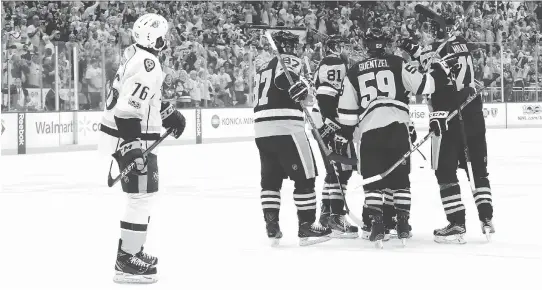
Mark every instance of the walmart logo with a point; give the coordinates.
(87, 126)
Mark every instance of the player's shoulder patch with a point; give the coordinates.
(149, 64)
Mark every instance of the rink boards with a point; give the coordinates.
(59, 131)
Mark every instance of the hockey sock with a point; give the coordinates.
(389, 209)
(374, 201)
(133, 226)
(336, 199)
(270, 204)
(305, 201)
(401, 199)
(482, 198)
(270, 199)
(325, 198)
(450, 195)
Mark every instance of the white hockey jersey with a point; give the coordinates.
(135, 93)
(376, 92)
(328, 80)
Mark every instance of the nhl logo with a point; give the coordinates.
(294, 166)
(126, 179)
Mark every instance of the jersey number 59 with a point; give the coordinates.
(377, 85)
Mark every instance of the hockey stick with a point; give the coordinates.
(432, 15)
(423, 140)
(466, 149)
(328, 153)
(111, 181)
(333, 164)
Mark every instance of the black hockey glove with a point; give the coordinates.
(339, 144)
(129, 151)
(171, 118)
(412, 133)
(410, 47)
(299, 91)
(327, 132)
(438, 122)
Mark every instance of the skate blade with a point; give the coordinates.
(308, 242)
(343, 235)
(126, 278)
(487, 231)
(454, 239)
(275, 242)
(403, 242)
(379, 244)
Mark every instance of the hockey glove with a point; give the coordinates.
(412, 133)
(410, 47)
(327, 132)
(171, 118)
(339, 144)
(299, 91)
(129, 151)
(438, 123)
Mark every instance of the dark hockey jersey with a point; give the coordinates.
(457, 47)
(328, 81)
(275, 112)
(376, 92)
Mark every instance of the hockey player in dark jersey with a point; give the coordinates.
(375, 96)
(328, 81)
(283, 145)
(448, 146)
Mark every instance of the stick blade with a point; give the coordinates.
(343, 159)
(110, 180)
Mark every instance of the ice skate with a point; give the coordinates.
(147, 258)
(324, 218)
(131, 269)
(315, 233)
(378, 231)
(451, 234)
(341, 228)
(403, 228)
(366, 233)
(273, 229)
(487, 228)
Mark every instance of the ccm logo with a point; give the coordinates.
(439, 114)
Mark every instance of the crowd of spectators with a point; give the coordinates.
(214, 46)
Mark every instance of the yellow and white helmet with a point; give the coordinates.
(150, 31)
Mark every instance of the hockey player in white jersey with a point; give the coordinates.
(132, 121)
(328, 81)
(376, 97)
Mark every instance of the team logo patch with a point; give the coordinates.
(126, 179)
(149, 64)
(155, 176)
(294, 166)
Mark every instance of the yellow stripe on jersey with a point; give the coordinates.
(327, 90)
(273, 122)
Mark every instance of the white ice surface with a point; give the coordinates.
(59, 226)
